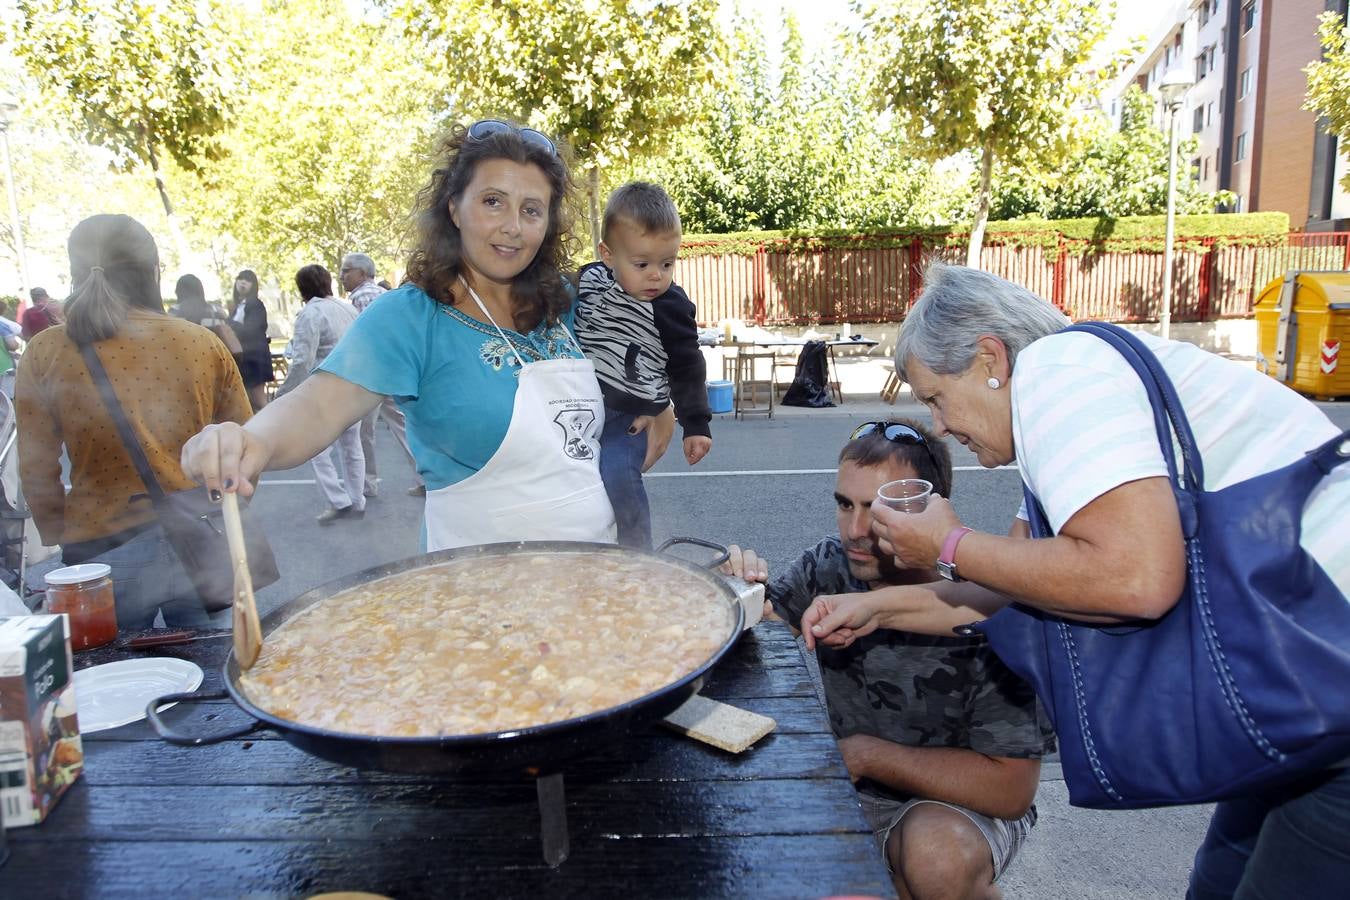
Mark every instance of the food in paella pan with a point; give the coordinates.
(489, 644)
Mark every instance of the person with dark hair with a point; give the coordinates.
(171, 378)
(322, 322)
(503, 410)
(943, 742)
(639, 329)
(248, 317)
(41, 315)
(192, 306)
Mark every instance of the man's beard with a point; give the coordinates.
(880, 568)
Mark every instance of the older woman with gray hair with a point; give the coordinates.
(988, 359)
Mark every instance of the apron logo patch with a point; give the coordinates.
(575, 423)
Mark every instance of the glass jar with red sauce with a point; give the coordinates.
(85, 593)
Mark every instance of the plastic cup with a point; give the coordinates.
(907, 495)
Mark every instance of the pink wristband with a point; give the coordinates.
(949, 543)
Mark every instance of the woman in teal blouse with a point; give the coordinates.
(503, 410)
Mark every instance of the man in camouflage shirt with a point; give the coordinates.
(942, 740)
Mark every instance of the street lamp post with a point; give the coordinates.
(1173, 89)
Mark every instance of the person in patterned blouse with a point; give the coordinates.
(944, 743)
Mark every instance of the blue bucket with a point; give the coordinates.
(719, 396)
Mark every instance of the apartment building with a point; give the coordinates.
(1245, 108)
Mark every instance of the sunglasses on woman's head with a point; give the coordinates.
(486, 128)
(896, 433)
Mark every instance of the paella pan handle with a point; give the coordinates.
(187, 740)
(722, 553)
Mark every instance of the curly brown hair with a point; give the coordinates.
(436, 262)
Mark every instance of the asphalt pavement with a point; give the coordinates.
(768, 484)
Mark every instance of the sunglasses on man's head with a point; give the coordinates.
(896, 433)
(486, 128)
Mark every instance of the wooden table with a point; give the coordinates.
(659, 816)
(832, 375)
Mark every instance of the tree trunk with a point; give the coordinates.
(981, 208)
(175, 232)
(593, 195)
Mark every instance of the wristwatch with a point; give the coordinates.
(946, 564)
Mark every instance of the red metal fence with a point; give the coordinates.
(1214, 278)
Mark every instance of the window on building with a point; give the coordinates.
(1167, 58)
(1176, 45)
(1240, 151)
(1206, 175)
(1245, 83)
(1209, 113)
(1248, 16)
(1204, 14)
(1200, 68)
(1213, 52)
(1195, 170)
(1199, 123)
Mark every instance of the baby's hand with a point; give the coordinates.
(696, 446)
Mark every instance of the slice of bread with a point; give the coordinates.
(718, 724)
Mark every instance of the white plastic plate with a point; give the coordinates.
(117, 693)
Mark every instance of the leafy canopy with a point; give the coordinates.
(1329, 78)
(138, 75)
(1118, 173)
(612, 77)
(790, 147)
(328, 149)
(1007, 75)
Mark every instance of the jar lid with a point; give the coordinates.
(79, 574)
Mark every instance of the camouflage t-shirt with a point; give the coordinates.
(913, 689)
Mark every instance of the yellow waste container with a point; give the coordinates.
(1303, 332)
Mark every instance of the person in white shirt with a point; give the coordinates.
(322, 322)
(988, 359)
(358, 279)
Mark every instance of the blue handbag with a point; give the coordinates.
(1244, 685)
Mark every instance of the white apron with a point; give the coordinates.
(543, 483)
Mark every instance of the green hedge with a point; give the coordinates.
(1097, 235)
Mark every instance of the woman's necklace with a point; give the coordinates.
(478, 308)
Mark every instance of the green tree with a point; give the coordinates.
(1120, 172)
(1329, 78)
(326, 152)
(143, 79)
(794, 146)
(614, 78)
(1003, 78)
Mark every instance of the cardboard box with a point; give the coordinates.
(40, 750)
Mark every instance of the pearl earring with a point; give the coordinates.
(993, 384)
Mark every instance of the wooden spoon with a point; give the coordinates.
(247, 628)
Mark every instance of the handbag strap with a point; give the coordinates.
(119, 416)
(1169, 418)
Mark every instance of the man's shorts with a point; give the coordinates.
(1004, 836)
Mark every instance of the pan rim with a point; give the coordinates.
(294, 607)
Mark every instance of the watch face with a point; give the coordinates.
(947, 570)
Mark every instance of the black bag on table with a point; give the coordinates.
(811, 382)
(193, 524)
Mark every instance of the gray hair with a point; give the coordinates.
(359, 261)
(960, 305)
